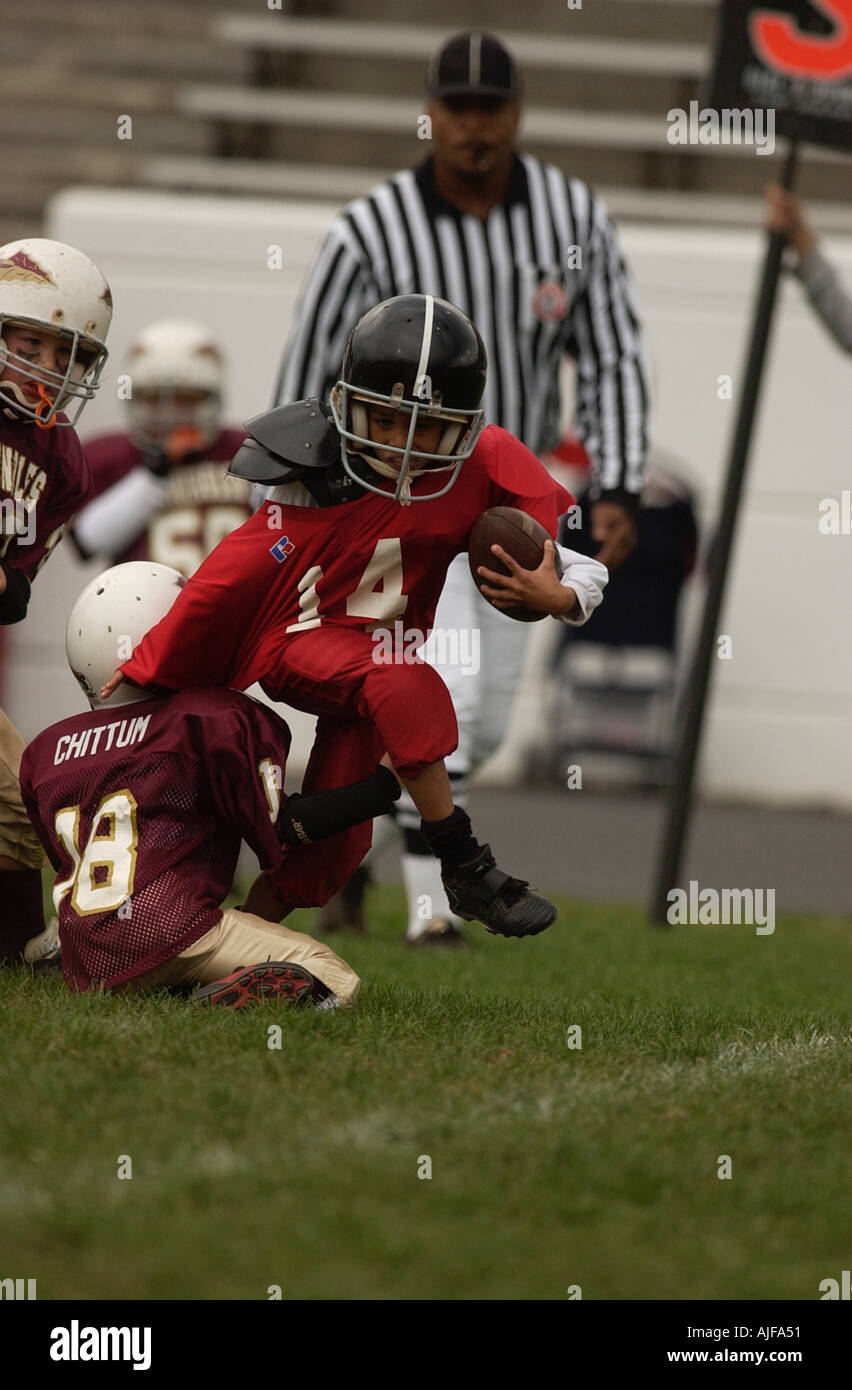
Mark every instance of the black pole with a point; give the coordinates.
(680, 798)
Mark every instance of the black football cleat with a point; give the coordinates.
(272, 979)
(481, 892)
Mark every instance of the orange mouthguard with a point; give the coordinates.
(44, 407)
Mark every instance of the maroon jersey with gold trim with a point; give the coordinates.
(46, 474)
(141, 809)
(201, 504)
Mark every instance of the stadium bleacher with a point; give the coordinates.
(318, 99)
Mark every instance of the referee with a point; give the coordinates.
(533, 258)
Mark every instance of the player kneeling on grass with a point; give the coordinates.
(372, 506)
(141, 805)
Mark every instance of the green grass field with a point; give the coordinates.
(551, 1166)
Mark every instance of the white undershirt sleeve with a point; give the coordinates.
(588, 578)
(112, 522)
(286, 494)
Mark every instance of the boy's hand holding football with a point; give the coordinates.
(538, 590)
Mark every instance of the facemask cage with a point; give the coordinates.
(462, 430)
(156, 415)
(77, 383)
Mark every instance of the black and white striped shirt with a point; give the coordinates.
(542, 277)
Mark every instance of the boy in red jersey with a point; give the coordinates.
(142, 809)
(362, 533)
(55, 311)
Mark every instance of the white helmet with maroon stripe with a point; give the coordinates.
(48, 287)
(110, 618)
(177, 378)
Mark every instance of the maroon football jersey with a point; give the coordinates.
(43, 473)
(364, 564)
(141, 810)
(202, 504)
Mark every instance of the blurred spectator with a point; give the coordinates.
(827, 295)
(643, 593)
(614, 687)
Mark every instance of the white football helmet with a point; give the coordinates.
(53, 288)
(110, 618)
(171, 362)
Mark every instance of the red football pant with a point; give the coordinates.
(364, 707)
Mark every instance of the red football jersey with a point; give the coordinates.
(141, 810)
(202, 504)
(364, 564)
(46, 474)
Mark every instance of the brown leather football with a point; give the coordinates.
(521, 536)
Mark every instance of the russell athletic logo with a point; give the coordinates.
(281, 549)
(76, 1343)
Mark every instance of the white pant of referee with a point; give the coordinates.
(479, 654)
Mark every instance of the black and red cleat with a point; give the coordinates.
(479, 891)
(272, 979)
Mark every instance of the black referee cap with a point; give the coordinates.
(474, 64)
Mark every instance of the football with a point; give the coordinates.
(521, 536)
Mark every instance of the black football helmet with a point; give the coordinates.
(422, 356)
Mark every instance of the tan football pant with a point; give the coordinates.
(18, 840)
(242, 939)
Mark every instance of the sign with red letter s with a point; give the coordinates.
(790, 56)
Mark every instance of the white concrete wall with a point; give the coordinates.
(780, 718)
